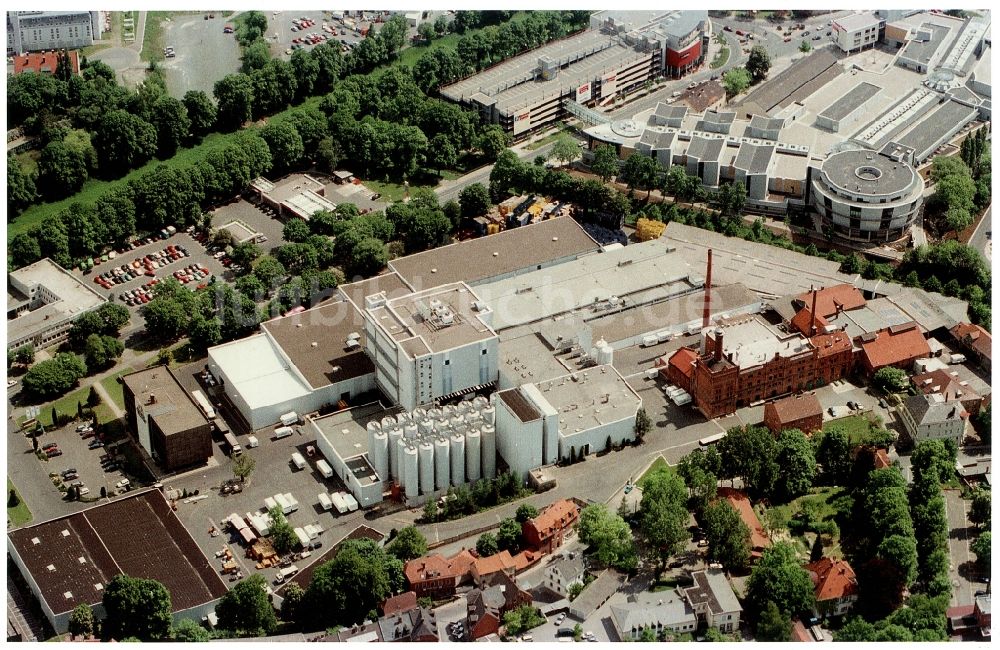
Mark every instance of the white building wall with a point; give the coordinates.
(597, 437)
(550, 423)
(367, 495)
(519, 443)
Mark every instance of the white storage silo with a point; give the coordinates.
(425, 426)
(410, 472)
(441, 424)
(388, 422)
(488, 451)
(395, 435)
(419, 414)
(402, 418)
(480, 402)
(434, 413)
(457, 459)
(426, 457)
(457, 420)
(410, 430)
(378, 454)
(442, 466)
(489, 414)
(473, 441)
(464, 407)
(449, 410)
(605, 353)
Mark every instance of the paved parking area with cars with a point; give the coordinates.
(191, 37)
(282, 38)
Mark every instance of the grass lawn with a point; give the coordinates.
(721, 59)
(823, 500)
(552, 137)
(94, 188)
(65, 404)
(152, 40)
(657, 465)
(19, 514)
(857, 427)
(29, 161)
(412, 54)
(392, 191)
(114, 388)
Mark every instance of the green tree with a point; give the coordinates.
(81, 621)
(269, 270)
(487, 545)
(735, 81)
(493, 140)
(979, 510)
(474, 200)
(981, 547)
(234, 95)
(834, 454)
(642, 423)
(662, 512)
(901, 551)
(293, 596)
(344, 590)
(282, 535)
(816, 554)
(243, 466)
(805, 47)
(609, 536)
(173, 126)
(285, 143)
(779, 577)
(891, 380)
(370, 256)
(750, 453)
(522, 619)
(640, 172)
(201, 112)
(295, 230)
(20, 187)
(136, 607)
(525, 512)
(728, 536)
(246, 610)
(509, 535)
(758, 63)
(430, 511)
(408, 544)
(605, 162)
(798, 465)
(773, 624)
(25, 355)
(187, 630)
(123, 141)
(256, 56)
(565, 149)
(54, 377)
(61, 171)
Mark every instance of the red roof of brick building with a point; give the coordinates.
(975, 337)
(741, 503)
(794, 408)
(553, 519)
(44, 62)
(404, 602)
(683, 359)
(828, 299)
(461, 563)
(833, 579)
(800, 634)
(803, 322)
(941, 381)
(496, 563)
(429, 567)
(833, 343)
(895, 345)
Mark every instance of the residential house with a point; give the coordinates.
(367, 632)
(415, 625)
(487, 605)
(931, 417)
(897, 346)
(713, 600)
(564, 572)
(431, 576)
(546, 531)
(976, 341)
(596, 594)
(803, 412)
(836, 586)
(662, 612)
(486, 567)
(741, 503)
(947, 383)
(971, 622)
(404, 602)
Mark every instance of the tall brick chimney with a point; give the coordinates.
(718, 345)
(812, 316)
(706, 311)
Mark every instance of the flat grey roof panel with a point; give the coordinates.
(922, 51)
(850, 101)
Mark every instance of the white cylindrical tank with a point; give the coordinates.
(472, 451)
(378, 453)
(434, 413)
(409, 430)
(480, 402)
(410, 472)
(395, 436)
(489, 414)
(465, 406)
(441, 424)
(488, 451)
(373, 426)
(419, 414)
(605, 353)
(449, 410)
(402, 418)
(425, 426)
(457, 459)
(388, 422)
(442, 466)
(457, 420)
(426, 457)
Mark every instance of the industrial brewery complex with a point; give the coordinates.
(542, 368)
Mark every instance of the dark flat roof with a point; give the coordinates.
(328, 326)
(949, 115)
(137, 535)
(519, 404)
(782, 86)
(922, 51)
(174, 410)
(390, 283)
(850, 101)
(476, 260)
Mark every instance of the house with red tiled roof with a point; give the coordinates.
(546, 531)
(802, 412)
(45, 62)
(404, 602)
(800, 634)
(741, 504)
(832, 300)
(897, 346)
(836, 586)
(950, 386)
(431, 576)
(975, 340)
(460, 564)
(485, 567)
(678, 368)
(804, 322)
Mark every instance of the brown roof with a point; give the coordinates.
(328, 326)
(173, 409)
(44, 62)
(828, 344)
(882, 459)
(833, 579)
(491, 564)
(891, 347)
(555, 517)
(684, 360)
(152, 544)
(803, 322)
(461, 563)
(475, 260)
(739, 501)
(975, 337)
(703, 96)
(428, 567)
(794, 407)
(828, 298)
(800, 633)
(519, 405)
(941, 381)
(404, 602)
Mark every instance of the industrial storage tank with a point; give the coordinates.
(605, 353)
(464, 407)
(442, 466)
(378, 453)
(480, 402)
(434, 413)
(395, 436)
(409, 430)
(403, 418)
(472, 451)
(457, 459)
(425, 426)
(457, 420)
(410, 473)
(489, 414)
(419, 414)
(449, 410)
(441, 424)
(426, 457)
(488, 451)
(388, 422)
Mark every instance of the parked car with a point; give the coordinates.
(51, 445)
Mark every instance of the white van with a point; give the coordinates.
(290, 418)
(298, 460)
(283, 432)
(252, 442)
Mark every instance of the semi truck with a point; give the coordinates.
(203, 404)
(234, 446)
(324, 468)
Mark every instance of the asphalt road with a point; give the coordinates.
(979, 239)
(960, 534)
(450, 189)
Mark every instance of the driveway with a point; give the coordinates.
(960, 534)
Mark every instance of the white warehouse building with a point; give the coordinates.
(565, 417)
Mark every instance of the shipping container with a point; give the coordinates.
(324, 468)
(292, 501)
(290, 418)
(283, 432)
(352, 503)
(298, 460)
(203, 404)
(339, 502)
(324, 501)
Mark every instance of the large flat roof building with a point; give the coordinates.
(70, 560)
(43, 300)
(33, 31)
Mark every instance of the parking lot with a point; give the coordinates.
(245, 212)
(191, 37)
(281, 36)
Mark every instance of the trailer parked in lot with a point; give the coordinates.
(298, 460)
(303, 537)
(292, 501)
(286, 507)
(324, 501)
(352, 503)
(324, 468)
(269, 503)
(339, 502)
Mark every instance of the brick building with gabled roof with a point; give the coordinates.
(741, 504)
(975, 340)
(545, 532)
(950, 386)
(831, 300)
(836, 586)
(897, 346)
(403, 602)
(803, 412)
(431, 575)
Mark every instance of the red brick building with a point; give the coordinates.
(431, 576)
(836, 586)
(546, 531)
(897, 346)
(720, 383)
(950, 386)
(45, 62)
(802, 412)
(976, 341)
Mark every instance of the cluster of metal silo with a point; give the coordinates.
(427, 450)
